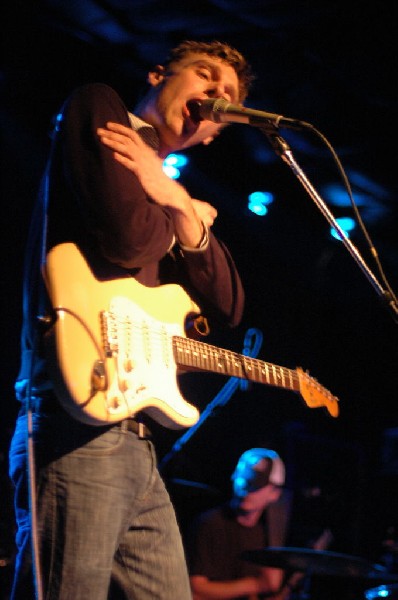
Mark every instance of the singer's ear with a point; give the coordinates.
(156, 76)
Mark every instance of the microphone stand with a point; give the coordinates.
(283, 150)
(252, 344)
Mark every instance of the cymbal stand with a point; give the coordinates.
(301, 590)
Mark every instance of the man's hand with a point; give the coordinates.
(132, 152)
(189, 215)
(205, 211)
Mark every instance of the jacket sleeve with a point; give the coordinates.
(213, 276)
(131, 229)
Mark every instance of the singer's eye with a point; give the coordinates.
(204, 73)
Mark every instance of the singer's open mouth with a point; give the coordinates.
(193, 110)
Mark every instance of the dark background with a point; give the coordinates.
(332, 64)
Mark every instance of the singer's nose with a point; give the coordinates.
(216, 90)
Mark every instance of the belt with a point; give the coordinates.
(136, 427)
(50, 405)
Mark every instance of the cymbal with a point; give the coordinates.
(185, 486)
(316, 562)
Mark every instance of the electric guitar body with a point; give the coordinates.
(115, 348)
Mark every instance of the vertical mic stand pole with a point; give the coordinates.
(283, 150)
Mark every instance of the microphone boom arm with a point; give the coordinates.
(283, 150)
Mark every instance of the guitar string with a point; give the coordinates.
(195, 354)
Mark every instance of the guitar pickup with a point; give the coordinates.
(98, 376)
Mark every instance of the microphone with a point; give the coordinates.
(220, 110)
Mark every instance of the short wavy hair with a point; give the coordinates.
(221, 50)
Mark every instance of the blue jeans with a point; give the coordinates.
(106, 526)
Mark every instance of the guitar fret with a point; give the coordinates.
(266, 373)
(270, 374)
(247, 363)
(290, 379)
(218, 358)
(274, 375)
(237, 370)
(199, 355)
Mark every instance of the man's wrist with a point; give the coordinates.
(203, 242)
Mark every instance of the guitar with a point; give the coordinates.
(115, 348)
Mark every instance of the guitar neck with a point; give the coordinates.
(200, 356)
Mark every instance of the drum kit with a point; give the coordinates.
(307, 561)
(321, 562)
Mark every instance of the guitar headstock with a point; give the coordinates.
(315, 395)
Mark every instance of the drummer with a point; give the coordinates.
(246, 522)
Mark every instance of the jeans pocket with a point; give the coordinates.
(105, 442)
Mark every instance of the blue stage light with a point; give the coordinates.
(258, 202)
(171, 171)
(176, 160)
(258, 209)
(173, 163)
(347, 224)
(261, 197)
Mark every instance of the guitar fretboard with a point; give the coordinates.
(205, 357)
